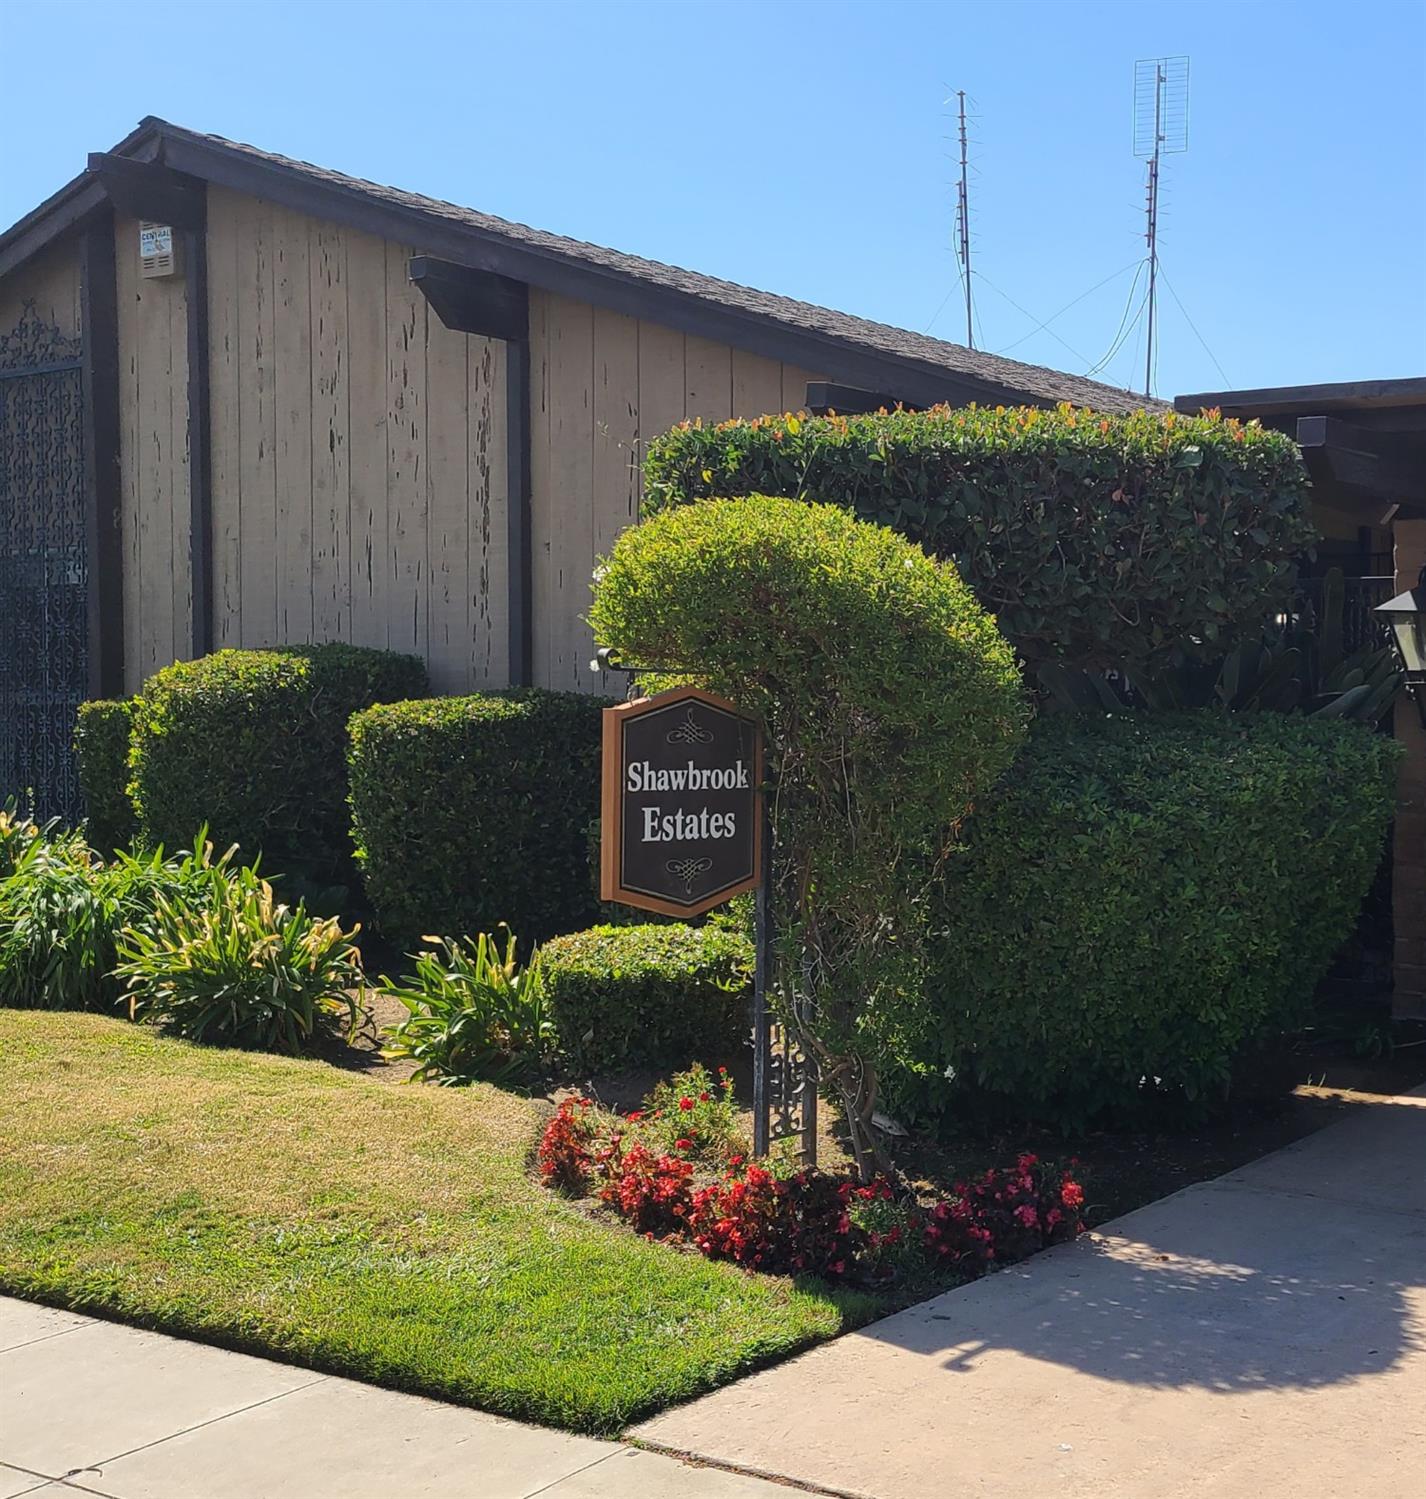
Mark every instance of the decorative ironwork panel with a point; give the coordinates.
(44, 565)
(791, 1102)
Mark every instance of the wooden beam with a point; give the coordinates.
(472, 301)
(469, 300)
(519, 569)
(99, 324)
(1362, 460)
(825, 395)
(146, 190)
(200, 447)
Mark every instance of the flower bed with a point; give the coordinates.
(703, 1191)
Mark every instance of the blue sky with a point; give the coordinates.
(804, 148)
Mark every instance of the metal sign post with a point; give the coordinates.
(687, 825)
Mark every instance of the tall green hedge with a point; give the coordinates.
(101, 751)
(1144, 899)
(1095, 540)
(253, 743)
(471, 811)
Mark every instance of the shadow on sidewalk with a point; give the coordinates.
(1245, 1284)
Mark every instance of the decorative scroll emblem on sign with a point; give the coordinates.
(681, 826)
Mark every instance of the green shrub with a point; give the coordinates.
(62, 909)
(1095, 540)
(101, 749)
(890, 703)
(470, 812)
(473, 1013)
(253, 743)
(1145, 899)
(630, 995)
(238, 968)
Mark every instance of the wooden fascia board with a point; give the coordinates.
(68, 210)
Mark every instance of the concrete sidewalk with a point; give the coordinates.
(1258, 1337)
(1263, 1335)
(93, 1408)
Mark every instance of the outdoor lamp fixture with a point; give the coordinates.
(1406, 614)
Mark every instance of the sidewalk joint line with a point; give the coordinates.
(41, 1479)
(573, 1473)
(79, 1488)
(699, 1460)
(47, 1337)
(98, 1467)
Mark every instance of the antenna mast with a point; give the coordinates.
(963, 220)
(1160, 127)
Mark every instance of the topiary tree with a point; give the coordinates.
(890, 702)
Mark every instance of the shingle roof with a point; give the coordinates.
(1010, 376)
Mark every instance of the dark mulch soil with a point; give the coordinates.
(1324, 1078)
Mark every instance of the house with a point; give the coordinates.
(245, 401)
(1364, 444)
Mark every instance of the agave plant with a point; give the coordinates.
(1300, 667)
(473, 1013)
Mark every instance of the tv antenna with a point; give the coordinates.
(1160, 128)
(963, 218)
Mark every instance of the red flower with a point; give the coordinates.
(685, 1104)
(705, 1096)
(1072, 1194)
(683, 1144)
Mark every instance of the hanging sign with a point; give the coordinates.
(681, 831)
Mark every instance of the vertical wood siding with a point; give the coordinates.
(153, 463)
(601, 385)
(51, 282)
(358, 448)
(359, 474)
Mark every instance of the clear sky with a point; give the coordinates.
(805, 148)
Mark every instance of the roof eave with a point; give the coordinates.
(68, 208)
(904, 376)
(1290, 400)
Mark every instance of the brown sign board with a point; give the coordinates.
(681, 830)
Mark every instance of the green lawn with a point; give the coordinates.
(386, 1232)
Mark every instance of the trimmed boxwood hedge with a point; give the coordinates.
(101, 752)
(470, 811)
(1096, 540)
(649, 995)
(1145, 899)
(253, 743)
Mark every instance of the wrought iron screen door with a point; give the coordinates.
(44, 564)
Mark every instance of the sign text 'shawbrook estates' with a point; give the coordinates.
(681, 831)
